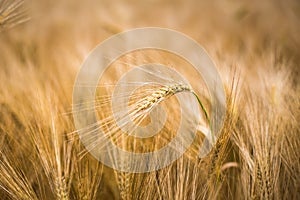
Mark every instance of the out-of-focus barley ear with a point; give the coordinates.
(124, 180)
(13, 180)
(12, 13)
(222, 151)
(88, 174)
(55, 152)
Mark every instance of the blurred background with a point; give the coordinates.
(231, 31)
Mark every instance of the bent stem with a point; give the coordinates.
(202, 106)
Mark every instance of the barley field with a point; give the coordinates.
(255, 46)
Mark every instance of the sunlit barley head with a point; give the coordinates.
(143, 110)
(145, 99)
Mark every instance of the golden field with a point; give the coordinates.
(255, 46)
